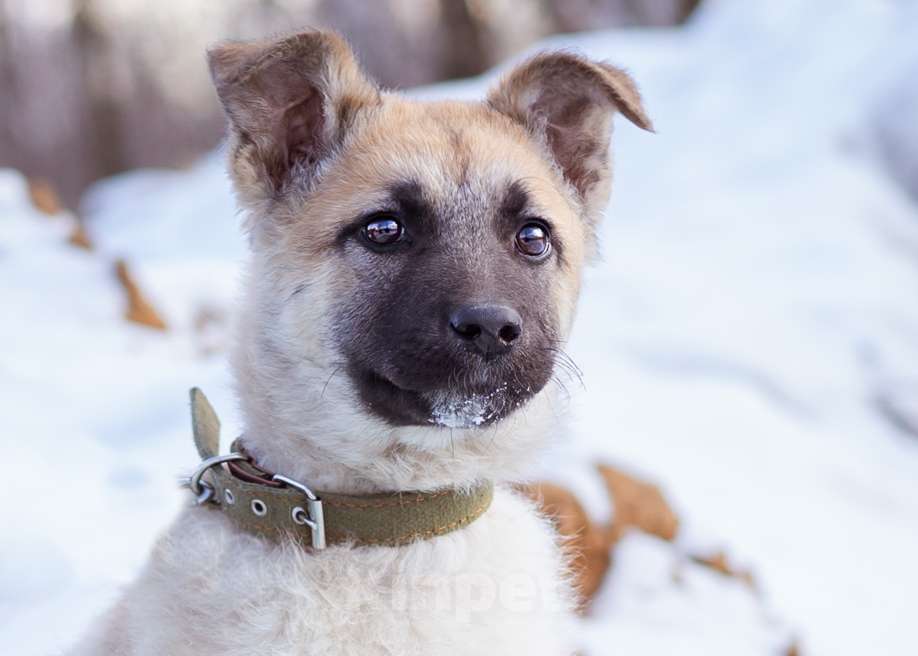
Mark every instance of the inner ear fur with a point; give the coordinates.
(289, 103)
(567, 102)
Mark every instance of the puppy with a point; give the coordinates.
(414, 274)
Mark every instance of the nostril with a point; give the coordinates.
(509, 333)
(489, 328)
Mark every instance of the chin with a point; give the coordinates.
(405, 404)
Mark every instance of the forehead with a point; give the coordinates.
(449, 151)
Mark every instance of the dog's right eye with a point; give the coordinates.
(383, 231)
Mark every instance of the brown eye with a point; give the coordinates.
(533, 240)
(383, 231)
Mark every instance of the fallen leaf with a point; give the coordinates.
(43, 196)
(639, 505)
(139, 310)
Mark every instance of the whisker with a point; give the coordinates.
(566, 364)
(325, 387)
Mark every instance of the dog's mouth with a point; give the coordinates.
(401, 405)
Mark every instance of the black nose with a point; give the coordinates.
(492, 329)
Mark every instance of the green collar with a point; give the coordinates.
(274, 506)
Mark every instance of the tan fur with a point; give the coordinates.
(312, 144)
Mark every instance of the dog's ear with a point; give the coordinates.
(289, 104)
(567, 103)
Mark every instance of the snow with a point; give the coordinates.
(895, 124)
(465, 412)
(674, 607)
(749, 341)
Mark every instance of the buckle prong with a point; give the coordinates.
(314, 515)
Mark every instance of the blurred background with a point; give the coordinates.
(94, 87)
(740, 458)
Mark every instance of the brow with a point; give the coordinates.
(409, 198)
(515, 201)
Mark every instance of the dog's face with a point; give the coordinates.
(428, 252)
(451, 281)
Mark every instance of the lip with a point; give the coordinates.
(397, 405)
(452, 396)
(404, 406)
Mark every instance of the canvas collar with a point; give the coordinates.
(275, 506)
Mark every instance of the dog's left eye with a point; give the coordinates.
(383, 231)
(533, 240)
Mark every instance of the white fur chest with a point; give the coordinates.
(494, 587)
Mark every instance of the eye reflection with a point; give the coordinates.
(533, 240)
(383, 231)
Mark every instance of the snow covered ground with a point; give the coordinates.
(749, 341)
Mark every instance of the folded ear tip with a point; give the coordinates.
(216, 57)
(228, 59)
(646, 124)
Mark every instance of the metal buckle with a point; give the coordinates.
(313, 516)
(203, 490)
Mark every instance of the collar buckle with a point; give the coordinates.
(312, 516)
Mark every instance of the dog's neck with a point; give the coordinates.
(358, 461)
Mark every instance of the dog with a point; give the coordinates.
(415, 269)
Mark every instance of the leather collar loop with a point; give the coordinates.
(273, 506)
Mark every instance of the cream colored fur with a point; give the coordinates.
(491, 588)
(498, 586)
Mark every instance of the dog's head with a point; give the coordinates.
(428, 254)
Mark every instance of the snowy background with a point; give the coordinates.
(749, 341)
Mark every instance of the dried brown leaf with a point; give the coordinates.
(139, 310)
